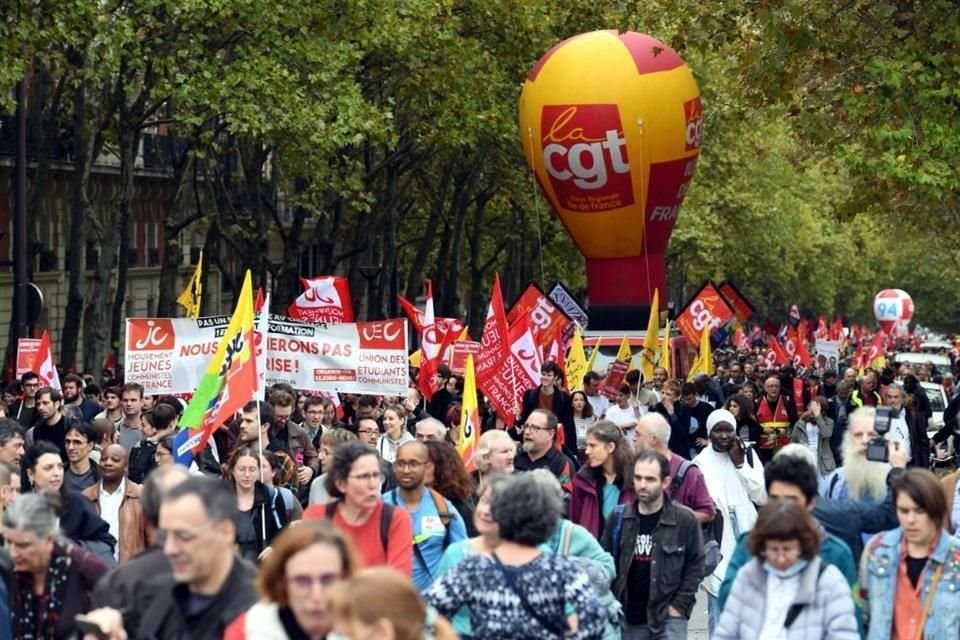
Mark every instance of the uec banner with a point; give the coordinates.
(169, 355)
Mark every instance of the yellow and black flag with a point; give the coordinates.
(190, 298)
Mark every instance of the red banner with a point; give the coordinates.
(458, 355)
(27, 351)
(741, 306)
(707, 309)
(325, 299)
(547, 320)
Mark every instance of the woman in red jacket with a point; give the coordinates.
(605, 481)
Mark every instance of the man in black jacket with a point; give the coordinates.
(52, 425)
(209, 584)
(657, 546)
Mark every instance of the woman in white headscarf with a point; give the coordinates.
(734, 478)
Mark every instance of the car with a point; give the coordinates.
(935, 346)
(941, 454)
(938, 403)
(941, 362)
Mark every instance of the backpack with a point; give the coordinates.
(712, 531)
(440, 504)
(386, 517)
(615, 617)
(272, 501)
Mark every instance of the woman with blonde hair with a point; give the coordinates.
(495, 453)
(314, 553)
(382, 603)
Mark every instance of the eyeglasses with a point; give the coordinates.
(535, 427)
(367, 432)
(408, 464)
(786, 554)
(367, 477)
(307, 583)
(315, 413)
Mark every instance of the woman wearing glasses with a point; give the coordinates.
(314, 554)
(382, 534)
(787, 591)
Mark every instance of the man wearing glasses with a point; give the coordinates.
(24, 410)
(209, 586)
(540, 450)
(436, 522)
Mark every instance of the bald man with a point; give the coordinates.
(117, 500)
(124, 587)
(436, 522)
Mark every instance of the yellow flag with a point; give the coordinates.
(624, 354)
(593, 356)
(415, 358)
(665, 349)
(649, 354)
(190, 298)
(576, 362)
(469, 417)
(704, 360)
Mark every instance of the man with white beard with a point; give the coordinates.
(858, 479)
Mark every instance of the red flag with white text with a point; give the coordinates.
(325, 299)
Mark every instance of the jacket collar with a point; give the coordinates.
(891, 541)
(668, 514)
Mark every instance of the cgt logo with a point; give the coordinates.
(154, 335)
(387, 334)
(585, 153)
(693, 114)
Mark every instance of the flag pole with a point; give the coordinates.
(263, 510)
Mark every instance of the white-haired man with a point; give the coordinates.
(431, 430)
(687, 486)
(858, 479)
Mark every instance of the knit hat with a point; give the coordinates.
(718, 416)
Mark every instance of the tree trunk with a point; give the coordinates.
(415, 280)
(180, 215)
(85, 148)
(129, 143)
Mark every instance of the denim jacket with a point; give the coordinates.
(878, 583)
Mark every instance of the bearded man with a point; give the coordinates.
(858, 479)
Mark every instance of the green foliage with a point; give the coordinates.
(828, 170)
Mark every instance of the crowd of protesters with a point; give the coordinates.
(602, 513)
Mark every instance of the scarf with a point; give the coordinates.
(29, 623)
(731, 500)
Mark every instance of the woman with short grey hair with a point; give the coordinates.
(64, 574)
(520, 591)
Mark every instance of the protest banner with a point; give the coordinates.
(562, 297)
(458, 355)
(707, 309)
(828, 354)
(169, 355)
(27, 350)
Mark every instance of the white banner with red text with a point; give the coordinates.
(169, 355)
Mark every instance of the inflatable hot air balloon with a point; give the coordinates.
(611, 125)
(893, 309)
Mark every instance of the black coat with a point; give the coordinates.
(81, 523)
(165, 616)
(681, 441)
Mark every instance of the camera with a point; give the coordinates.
(877, 447)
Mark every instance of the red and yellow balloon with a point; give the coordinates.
(611, 124)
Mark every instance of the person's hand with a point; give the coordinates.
(814, 408)
(736, 453)
(517, 410)
(673, 613)
(304, 474)
(701, 442)
(110, 622)
(265, 553)
(898, 455)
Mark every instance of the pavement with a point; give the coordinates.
(697, 629)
